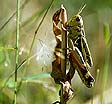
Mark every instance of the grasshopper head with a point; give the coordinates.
(75, 24)
(76, 21)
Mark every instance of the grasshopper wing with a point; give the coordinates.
(82, 45)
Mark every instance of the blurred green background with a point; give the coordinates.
(38, 87)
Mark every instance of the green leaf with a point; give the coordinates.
(37, 76)
(106, 33)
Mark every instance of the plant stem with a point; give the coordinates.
(64, 50)
(63, 61)
(17, 51)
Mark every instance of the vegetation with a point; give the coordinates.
(27, 44)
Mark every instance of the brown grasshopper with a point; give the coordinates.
(80, 57)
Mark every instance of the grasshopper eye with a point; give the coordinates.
(77, 19)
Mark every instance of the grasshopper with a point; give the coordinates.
(77, 42)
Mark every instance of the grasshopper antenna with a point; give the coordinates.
(81, 9)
